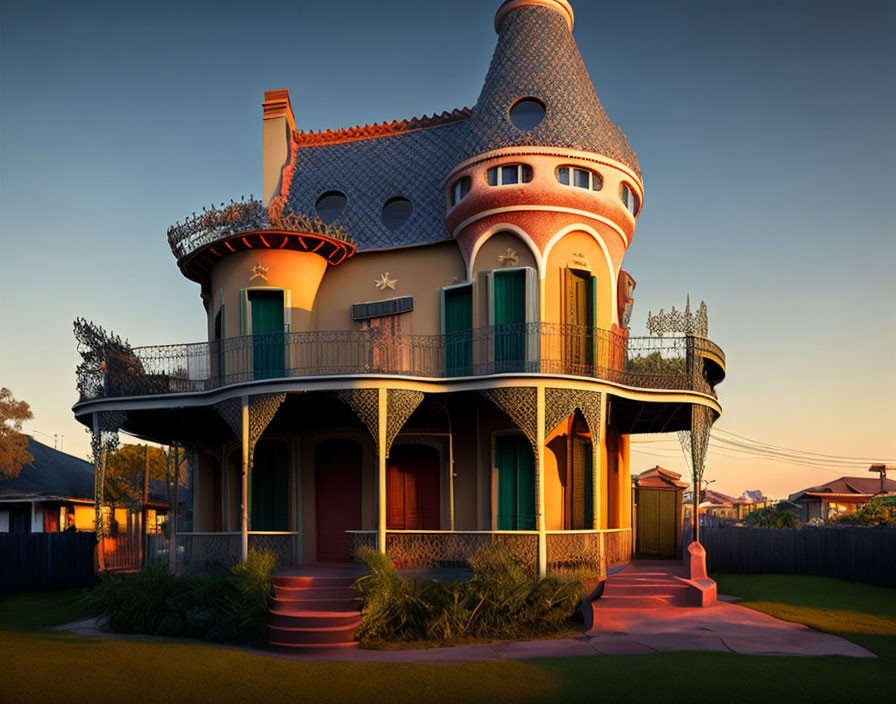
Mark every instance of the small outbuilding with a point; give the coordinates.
(659, 495)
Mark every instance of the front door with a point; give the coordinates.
(268, 501)
(579, 318)
(657, 515)
(338, 480)
(412, 486)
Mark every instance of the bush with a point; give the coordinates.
(500, 601)
(878, 513)
(218, 606)
(771, 517)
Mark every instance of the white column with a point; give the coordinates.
(382, 404)
(539, 478)
(244, 509)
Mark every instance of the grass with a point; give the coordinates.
(42, 665)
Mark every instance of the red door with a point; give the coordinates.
(338, 498)
(412, 485)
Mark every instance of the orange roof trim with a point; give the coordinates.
(378, 129)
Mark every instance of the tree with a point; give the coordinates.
(125, 469)
(13, 444)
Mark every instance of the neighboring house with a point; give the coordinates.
(48, 495)
(843, 495)
(419, 339)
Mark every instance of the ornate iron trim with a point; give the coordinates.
(520, 403)
(400, 405)
(365, 404)
(683, 322)
(562, 403)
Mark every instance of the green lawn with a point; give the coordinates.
(41, 665)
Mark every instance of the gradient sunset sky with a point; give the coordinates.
(764, 129)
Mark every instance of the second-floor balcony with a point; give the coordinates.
(675, 363)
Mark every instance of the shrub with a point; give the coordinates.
(771, 517)
(500, 601)
(218, 606)
(879, 513)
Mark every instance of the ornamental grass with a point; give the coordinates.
(501, 601)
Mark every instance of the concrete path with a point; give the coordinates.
(723, 628)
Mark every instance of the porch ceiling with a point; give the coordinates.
(632, 416)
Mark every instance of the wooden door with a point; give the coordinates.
(657, 516)
(578, 315)
(412, 488)
(338, 482)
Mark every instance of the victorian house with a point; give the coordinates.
(418, 339)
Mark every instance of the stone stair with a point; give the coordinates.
(313, 612)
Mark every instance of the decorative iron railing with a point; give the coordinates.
(670, 363)
(198, 549)
(234, 218)
(574, 552)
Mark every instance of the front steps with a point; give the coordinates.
(313, 612)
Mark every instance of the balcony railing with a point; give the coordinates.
(670, 362)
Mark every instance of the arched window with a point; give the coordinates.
(460, 189)
(509, 174)
(629, 198)
(578, 177)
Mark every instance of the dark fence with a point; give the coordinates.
(31, 561)
(860, 554)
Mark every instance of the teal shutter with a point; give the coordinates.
(509, 317)
(268, 498)
(515, 463)
(267, 333)
(458, 325)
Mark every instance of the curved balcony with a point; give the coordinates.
(204, 238)
(674, 363)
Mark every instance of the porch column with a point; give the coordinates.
(539, 483)
(382, 451)
(244, 474)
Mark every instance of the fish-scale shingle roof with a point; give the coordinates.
(536, 56)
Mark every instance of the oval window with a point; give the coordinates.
(330, 206)
(459, 189)
(396, 211)
(527, 113)
(629, 198)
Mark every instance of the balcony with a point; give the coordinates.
(113, 369)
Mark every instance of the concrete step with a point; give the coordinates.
(307, 649)
(633, 602)
(311, 636)
(305, 582)
(314, 619)
(298, 606)
(668, 589)
(337, 592)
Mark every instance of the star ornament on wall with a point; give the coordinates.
(259, 272)
(385, 282)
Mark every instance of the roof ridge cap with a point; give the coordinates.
(380, 129)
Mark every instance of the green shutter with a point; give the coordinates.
(515, 463)
(267, 333)
(509, 316)
(457, 306)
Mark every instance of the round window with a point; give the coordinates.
(527, 113)
(396, 211)
(330, 206)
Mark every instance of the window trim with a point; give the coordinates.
(635, 206)
(456, 192)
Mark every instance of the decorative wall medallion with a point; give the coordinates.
(579, 260)
(385, 282)
(509, 258)
(259, 272)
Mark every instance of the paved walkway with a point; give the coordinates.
(723, 628)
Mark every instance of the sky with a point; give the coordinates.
(764, 131)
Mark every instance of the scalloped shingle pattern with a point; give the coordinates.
(536, 56)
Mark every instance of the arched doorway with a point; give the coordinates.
(338, 483)
(412, 488)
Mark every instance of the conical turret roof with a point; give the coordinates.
(537, 57)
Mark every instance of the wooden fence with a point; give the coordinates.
(30, 561)
(860, 554)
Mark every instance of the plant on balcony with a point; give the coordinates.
(500, 601)
(655, 363)
(224, 607)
